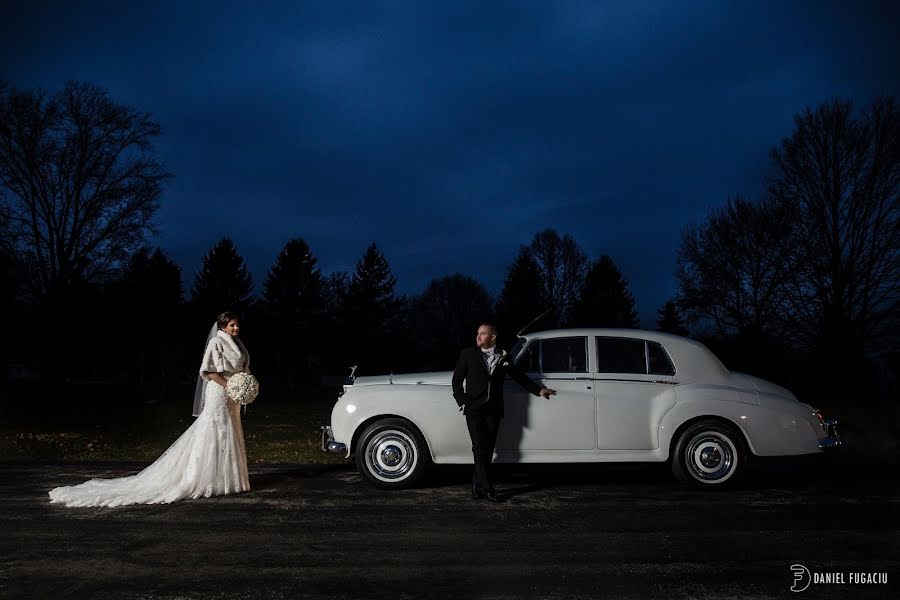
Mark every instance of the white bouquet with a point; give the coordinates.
(242, 388)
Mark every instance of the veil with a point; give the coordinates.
(200, 390)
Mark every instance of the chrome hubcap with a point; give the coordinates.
(710, 456)
(391, 455)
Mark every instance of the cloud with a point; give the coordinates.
(451, 133)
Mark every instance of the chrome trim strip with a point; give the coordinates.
(550, 378)
(647, 356)
(670, 382)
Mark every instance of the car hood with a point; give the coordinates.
(765, 387)
(433, 378)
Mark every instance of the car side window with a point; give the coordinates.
(564, 355)
(621, 355)
(660, 363)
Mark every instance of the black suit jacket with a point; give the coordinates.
(483, 393)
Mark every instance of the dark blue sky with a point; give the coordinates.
(450, 133)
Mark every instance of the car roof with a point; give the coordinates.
(609, 332)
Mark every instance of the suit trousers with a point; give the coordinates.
(483, 431)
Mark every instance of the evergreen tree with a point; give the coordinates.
(151, 291)
(522, 298)
(670, 320)
(153, 280)
(334, 346)
(223, 282)
(605, 300)
(292, 310)
(373, 313)
(446, 316)
(335, 288)
(292, 291)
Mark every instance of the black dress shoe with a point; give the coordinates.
(477, 492)
(492, 495)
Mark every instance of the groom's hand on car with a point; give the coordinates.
(546, 393)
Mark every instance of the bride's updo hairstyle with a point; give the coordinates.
(222, 320)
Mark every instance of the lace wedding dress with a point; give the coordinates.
(209, 459)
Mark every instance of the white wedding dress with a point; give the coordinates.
(209, 459)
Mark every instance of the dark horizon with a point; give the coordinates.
(450, 136)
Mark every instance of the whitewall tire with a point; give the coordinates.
(709, 454)
(392, 454)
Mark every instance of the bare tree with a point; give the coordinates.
(79, 182)
(562, 265)
(841, 174)
(733, 270)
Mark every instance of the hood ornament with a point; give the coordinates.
(352, 377)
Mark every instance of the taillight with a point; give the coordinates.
(819, 416)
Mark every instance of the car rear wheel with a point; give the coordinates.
(709, 454)
(392, 454)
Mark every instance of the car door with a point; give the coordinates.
(635, 387)
(562, 422)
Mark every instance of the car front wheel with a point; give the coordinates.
(709, 454)
(392, 454)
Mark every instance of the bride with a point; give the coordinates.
(209, 459)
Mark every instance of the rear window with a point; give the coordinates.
(660, 363)
(621, 355)
(628, 355)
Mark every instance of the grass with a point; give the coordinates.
(103, 421)
(121, 421)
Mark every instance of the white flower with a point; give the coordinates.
(242, 388)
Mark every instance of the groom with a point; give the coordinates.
(483, 368)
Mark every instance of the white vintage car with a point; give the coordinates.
(622, 395)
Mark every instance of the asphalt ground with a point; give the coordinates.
(586, 531)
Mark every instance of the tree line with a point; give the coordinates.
(799, 282)
(303, 324)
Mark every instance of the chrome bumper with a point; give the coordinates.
(328, 443)
(833, 440)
